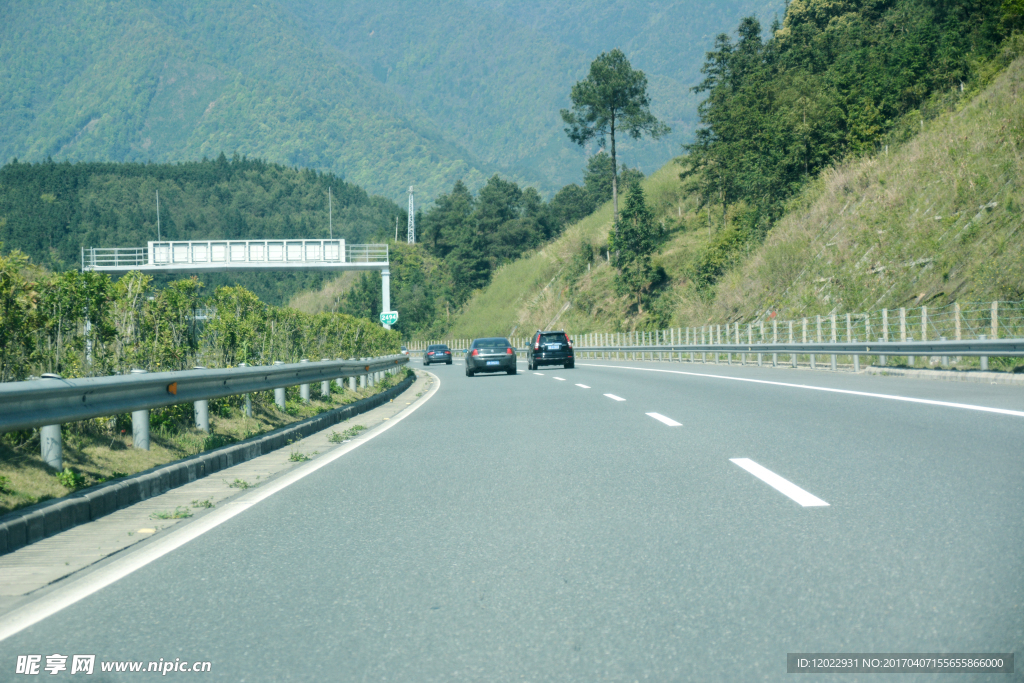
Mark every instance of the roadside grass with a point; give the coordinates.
(348, 434)
(326, 298)
(178, 513)
(935, 220)
(95, 451)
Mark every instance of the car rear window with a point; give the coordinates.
(553, 338)
(437, 347)
(492, 343)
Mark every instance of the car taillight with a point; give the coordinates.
(508, 350)
(568, 342)
(536, 344)
(475, 353)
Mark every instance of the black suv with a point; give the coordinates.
(437, 353)
(549, 348)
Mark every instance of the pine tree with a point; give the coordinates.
(634, 243)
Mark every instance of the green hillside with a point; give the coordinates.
(175, 81)
(385, 95)
(933, 220)
(494, 74)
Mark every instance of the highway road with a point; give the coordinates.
(620, 521)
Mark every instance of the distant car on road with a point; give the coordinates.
(490, 354)
(437, 353)
(405, 351)
(550, 348)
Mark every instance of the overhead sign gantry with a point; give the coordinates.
(222, 256)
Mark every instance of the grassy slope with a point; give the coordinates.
(936, 220)
(948, 201)
(326, 298)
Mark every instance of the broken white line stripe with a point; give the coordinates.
(781, 485)
(667, 420)
(614, 397)
(560, 379)
(582, 386)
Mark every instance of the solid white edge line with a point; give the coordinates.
(48, 605)
(851, 392)
(582, 386)
(781, 485)
(614, 397)
(667, 420)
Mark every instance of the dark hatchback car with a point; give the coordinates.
(550, 348)
(437, 353)
(490, 354)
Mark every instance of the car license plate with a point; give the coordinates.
(554, 347)
(492, 362)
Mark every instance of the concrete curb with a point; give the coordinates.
(42, 520)
(950, 375)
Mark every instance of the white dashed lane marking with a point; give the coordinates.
(667, 420)
(614, 397)
(582, 386)
(560, 379)
(781, 485)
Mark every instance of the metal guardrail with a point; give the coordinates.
(975, 347)
(45, 402)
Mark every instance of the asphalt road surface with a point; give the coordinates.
(613, 522)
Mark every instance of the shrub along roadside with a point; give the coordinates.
(96, 451)
(85, 324)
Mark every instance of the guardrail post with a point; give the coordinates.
(817, 323)
(775, 340)
(325, 386)
(911, 360)
(304, 388)
(716, 334)
(50, 444)
(984, 359)
(704, 354)
(140, 422)
(792, 356)
(882, 359)
(202, 409)
(279, 393)
(248, 397)
(362, 378)
(856, 359)
(956, 322)
(945, 359)
(835, 357)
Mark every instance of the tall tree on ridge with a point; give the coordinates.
(612, 97)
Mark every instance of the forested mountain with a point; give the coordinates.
(384, 94)
(51, 210)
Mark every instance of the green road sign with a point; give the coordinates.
(389, 317)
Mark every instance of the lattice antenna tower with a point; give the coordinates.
(412, 216)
